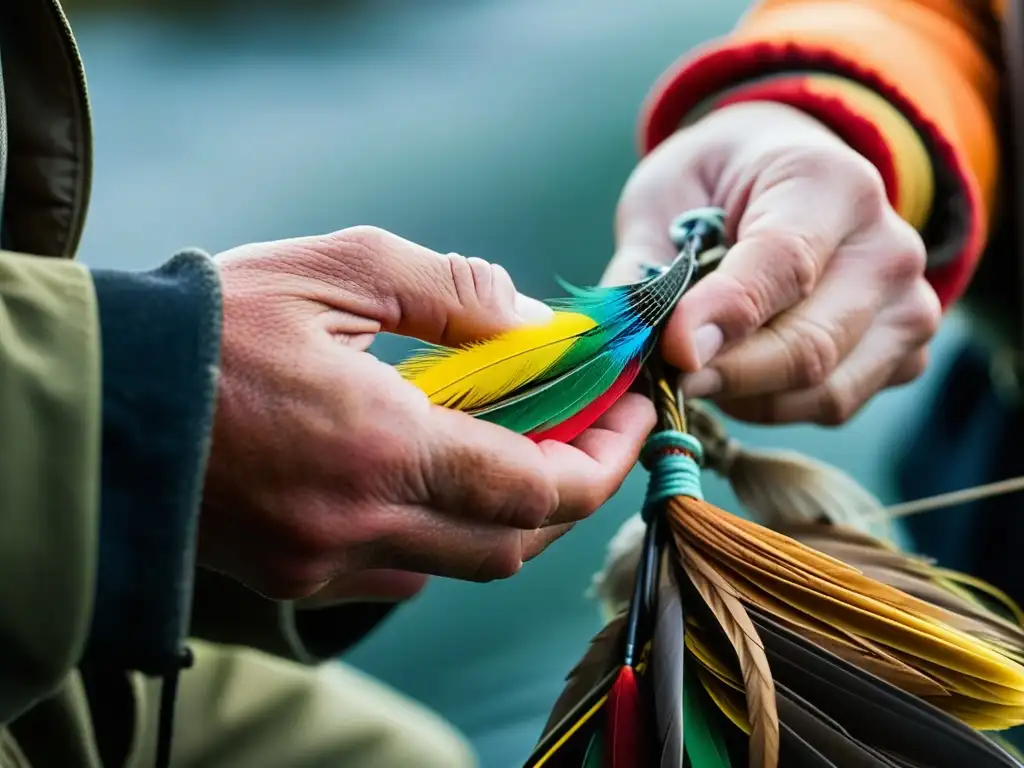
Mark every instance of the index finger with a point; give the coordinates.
(783, 245)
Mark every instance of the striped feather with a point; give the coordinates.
(477, 374)
(573, 427)
(553, 381)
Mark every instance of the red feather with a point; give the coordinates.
(624, 744)
(574, 426)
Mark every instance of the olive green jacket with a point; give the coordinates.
(107, 390)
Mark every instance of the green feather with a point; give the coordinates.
(702, 739)
(587, 348)
(555, 401)
(595, 751)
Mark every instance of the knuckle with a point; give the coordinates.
(364, 236)
(489, 286)
(840, 170)
(357, 255)
(865, 180)
(482, 277)
(905, 265)
(908, 256)
(458, 281)
(813, 352)
(860, 182)
(925, 313)
(476, 284)
(746, 304)
(512, 494)
(361, 245)
(536, 502)
(503, 561)
(801, 162)
(535, 499)
(797, 257)
(834, 162)
(837, 406)
(755, 410)
(412, 466)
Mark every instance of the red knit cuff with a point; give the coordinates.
(714, 69)
(856, 131)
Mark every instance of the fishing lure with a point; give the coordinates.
(552, 381)
(797, 638)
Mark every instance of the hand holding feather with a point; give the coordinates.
(554, 380)
(329, 471)
(798, 323)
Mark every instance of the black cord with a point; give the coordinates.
(645, 571)
(168, 697)
(3, 152)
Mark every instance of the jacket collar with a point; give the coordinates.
(49, 129)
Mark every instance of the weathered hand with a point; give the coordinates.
(820, 303)
(326, 464)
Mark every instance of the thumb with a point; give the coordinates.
(438, 298)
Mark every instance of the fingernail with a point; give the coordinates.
(703, 383)
(532, 311)
(708, 339)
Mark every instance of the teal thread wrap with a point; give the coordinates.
(672, 473)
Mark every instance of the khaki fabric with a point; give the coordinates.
(240, 708)
(49, 473)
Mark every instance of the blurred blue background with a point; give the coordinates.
(499, 129)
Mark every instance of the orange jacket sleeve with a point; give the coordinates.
(911, 84)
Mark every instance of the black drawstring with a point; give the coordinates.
(168, 696)
(3, 152)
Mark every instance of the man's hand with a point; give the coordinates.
(326, 465)
(821, 302)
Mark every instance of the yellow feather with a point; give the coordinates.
(977, 681)
(731, 705)
(481, 373)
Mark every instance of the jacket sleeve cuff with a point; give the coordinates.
(160, 333)
(838, 92)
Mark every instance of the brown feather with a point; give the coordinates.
(953, 658)
(601, 658)
(727, 608)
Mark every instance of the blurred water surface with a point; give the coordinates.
(500, 129)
